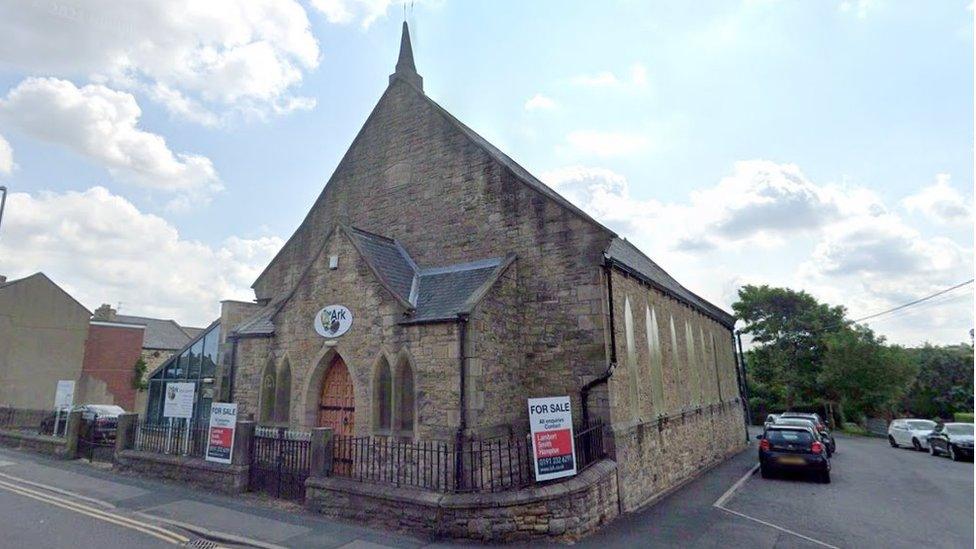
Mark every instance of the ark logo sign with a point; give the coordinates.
(551, 424)
(333, 321)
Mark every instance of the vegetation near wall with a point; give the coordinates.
(807, 355)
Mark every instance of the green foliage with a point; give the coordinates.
(808, 356)
(945, 381)
(963, 417)
(139, 381)
(853, 429)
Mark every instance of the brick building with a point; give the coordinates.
(472, 286)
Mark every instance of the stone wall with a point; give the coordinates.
(228, 479)
(64, 447)
(660, 443)
(564, 511)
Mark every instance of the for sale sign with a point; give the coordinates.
(551, 423)
(220, 436)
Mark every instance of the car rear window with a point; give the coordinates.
(786, 437)
(106, 409)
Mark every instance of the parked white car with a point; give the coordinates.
(910, 432)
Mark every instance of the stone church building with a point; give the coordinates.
(471, 286)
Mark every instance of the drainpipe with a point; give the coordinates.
(585, 391)
(233, 369)
(462, 321)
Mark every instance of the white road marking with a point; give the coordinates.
(720, 504)
(5, 463)
(211, 533)
(112, 518)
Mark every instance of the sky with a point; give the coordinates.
(158, 153)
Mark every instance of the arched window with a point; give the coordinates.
(654, 355)
(632, 359)
(680, 381)
(382, 396)
(283, 394)
(267, 406)
(405, 398)
(718, 372)
(693, 366)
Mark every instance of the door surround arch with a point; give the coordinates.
(312, 389)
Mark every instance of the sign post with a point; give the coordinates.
(64, 397)
(178, 404)
(220, 435)
(553, 450)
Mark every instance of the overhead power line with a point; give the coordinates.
(916, 302)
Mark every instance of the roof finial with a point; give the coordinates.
(405, 68)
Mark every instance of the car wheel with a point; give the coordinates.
(825, 477)
(917, 445)
(764, 472)
(953, 454)
(932, 450)
(891, 441)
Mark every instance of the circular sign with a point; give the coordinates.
(333, 321)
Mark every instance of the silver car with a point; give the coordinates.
(910, 432)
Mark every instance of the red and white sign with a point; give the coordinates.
(220, 437)
(551, 424)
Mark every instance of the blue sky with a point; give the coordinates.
(160, 160)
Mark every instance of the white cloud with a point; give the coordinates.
(859, 8)
(102, 249)
(607, 144)
(635, 79)
(539, 102)
(366, 12)
(102, 125)
(941, 203)
(193, 57)
(6, 157)
(767, 223)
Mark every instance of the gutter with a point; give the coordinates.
(462, 322)
(585, 390)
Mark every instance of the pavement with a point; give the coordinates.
(880, 497)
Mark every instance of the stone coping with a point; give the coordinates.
(182, 461)
(525, 496)
(34, 437)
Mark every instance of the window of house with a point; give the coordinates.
(282, 399)
(268, 381)
(693, 365)
(383, 396)
(406, 398)
(655, 358)
(681, 381)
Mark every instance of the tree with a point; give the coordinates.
(789, 329)
(945, 381)
(862, 374)
(139, 382)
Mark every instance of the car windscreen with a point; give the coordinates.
(960, 429)
(921, 425)
(789, 437)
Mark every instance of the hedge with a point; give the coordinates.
(964, 417)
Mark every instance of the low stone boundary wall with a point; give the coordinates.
(42, 444)
(65, 447)
(229, 479)
(563, 511)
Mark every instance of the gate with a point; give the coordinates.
(96, 438)
(280, 462)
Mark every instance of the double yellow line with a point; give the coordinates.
(145, 528)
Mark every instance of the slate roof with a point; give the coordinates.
(443, 293)
(390, 260)
(160, 334)
(628, 257)
(429, 295)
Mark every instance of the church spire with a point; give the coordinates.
(405, 69)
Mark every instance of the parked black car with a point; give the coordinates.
(822, 428)
(952, 439)
(100, 421)
(807, 422)
(793, 448)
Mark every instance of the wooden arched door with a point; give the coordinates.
(338, 403)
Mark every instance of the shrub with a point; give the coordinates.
(964, 417)
(853, 429)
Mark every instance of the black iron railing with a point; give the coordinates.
(280, 461)
(488, 465)
(175, 439)
(24, 419)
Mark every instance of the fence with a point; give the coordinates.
(280, 462)
(490, 465)
(37, 421)
(178, 439)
